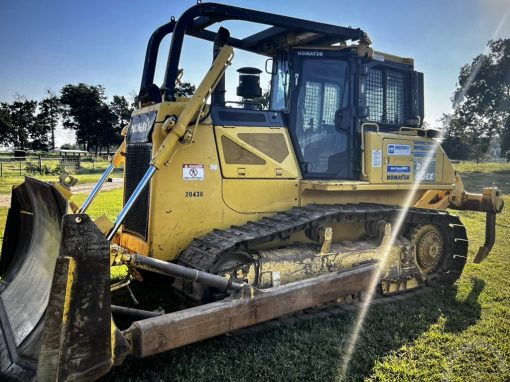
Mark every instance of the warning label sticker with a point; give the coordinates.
(376, 158)
(193, 171)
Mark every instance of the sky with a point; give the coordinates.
(48, 44)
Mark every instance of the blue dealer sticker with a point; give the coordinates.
(400, 169)
(399, 149)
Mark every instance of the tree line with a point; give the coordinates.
(97, 121)
(481, 106)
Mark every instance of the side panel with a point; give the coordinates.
(397, 164)
(404, 159)
(186, 198)
(259, 168)
(260, 195)
(256, 153)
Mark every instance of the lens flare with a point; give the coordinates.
(409, 201)
(396, 227)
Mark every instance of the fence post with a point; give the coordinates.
(40, 165)
(1, 169)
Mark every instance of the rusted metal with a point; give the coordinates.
(135, 313)
(184, 273)
(490, 238)
(79, 340)
(170, 331)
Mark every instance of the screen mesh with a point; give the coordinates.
(312, 106)
(385, 96)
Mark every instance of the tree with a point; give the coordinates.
(122, 110)
(454, 142)
(121, 114)
(22, 117)
(6, 127)
(184, 89)
(109, 132)
(482, 98)
(85, 111)
(50, 110)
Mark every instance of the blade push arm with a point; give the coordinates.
(117, 160)
(176, 129)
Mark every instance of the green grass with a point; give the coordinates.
(484, 167)
(476, 176)
(106, 203)
(7, 182)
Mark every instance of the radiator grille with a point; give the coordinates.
(138, 157)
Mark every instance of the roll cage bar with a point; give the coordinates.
(283, 33)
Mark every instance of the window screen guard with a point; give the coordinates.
(386, 96)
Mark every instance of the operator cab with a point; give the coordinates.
(323, 90)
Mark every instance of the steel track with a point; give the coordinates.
(204, 252)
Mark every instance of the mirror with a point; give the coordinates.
(343, 119)
(270, 64)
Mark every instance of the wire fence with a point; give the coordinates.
(50, 165)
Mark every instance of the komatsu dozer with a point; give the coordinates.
(248, 210)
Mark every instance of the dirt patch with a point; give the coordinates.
(85, 188)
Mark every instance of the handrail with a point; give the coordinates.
(196, 19)
(366, 124)
(151, 54)
(402, 128)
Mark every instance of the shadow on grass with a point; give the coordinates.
(392, 326)
(312, 349)
(475, 181)
(462, 314)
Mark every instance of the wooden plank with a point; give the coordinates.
(170, 331)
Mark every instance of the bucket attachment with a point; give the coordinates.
(29, 252)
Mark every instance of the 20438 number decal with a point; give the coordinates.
(194, 194)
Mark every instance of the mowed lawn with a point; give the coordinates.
(460, 333)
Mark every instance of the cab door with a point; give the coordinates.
(321, 115)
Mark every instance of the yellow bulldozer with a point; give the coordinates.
(248, 210)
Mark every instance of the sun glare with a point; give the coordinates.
(395, 230)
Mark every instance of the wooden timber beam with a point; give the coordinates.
(170, 331)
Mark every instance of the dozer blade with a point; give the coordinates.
(79, 341)
(29, 252)
(55, 315)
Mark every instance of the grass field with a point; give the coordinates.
(7, 182)
(476, 176)
(460, 333)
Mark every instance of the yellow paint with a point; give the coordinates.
(120, 155)
(266, 196)
(113, 338)
(269, 167)
(71, 268)
(134, 243)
